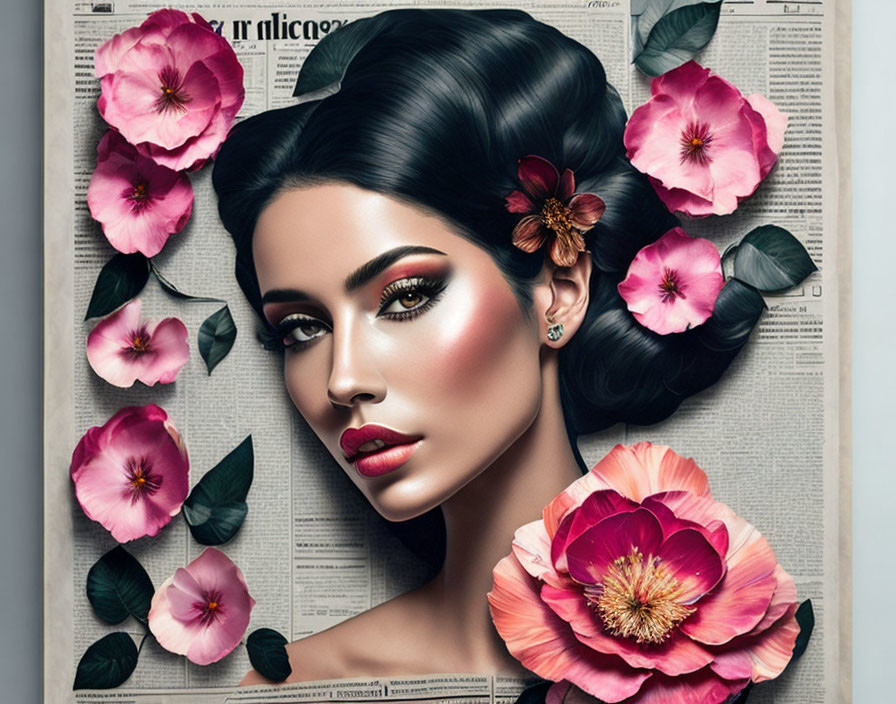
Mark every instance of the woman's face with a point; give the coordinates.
(407, 351)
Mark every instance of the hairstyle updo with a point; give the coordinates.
(435, 108)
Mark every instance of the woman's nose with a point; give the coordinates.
(354, 377)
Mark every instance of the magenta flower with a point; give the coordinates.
(673, 284)
(139, 203)
(554, 213)
(704, 145)
(123, 349)
(131, 475)
(203, 610)
(171, 86)
(637, 585)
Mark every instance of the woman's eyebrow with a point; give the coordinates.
(377, 265)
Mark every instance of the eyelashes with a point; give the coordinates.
(401, 300)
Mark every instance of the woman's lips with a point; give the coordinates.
(375, 450)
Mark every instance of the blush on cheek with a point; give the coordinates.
(474, 344)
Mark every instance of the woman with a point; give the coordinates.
(442, 364)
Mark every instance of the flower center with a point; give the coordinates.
(210, 608)
(137, 344)
(638, 599)
(671, 286)
(143, 482)
(694, 143)
(173, 96)
(555, 215)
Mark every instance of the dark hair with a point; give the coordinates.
(436, 107)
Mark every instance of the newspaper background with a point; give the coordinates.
(313, 552)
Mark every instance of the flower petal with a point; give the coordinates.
(693, 562)
(637, 471)
(518, 202)
(538, 177)
(529, 234)
(595, 508)
(567, 186)
(566, 247)
(618, 536)
(585, 210)
(741, 600)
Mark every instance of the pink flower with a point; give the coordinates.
(553, 213)
(704, 145)
(131, 474)
(139, 203)
(673, 284)
(203, 610)
(171, 86)
(637, 585)
(123, 349)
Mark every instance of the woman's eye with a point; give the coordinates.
(297, 330)
(407, 298)
(405, 302)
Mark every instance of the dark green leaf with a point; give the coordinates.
(646, 13)
(771, 259)
(118, 587)
(741, 698)
(216, 507)
(267, 653)
(107, 663)
(737, 310)
(173, 290)
(805, 617)
(677, 37)
(122, 278)
(216, 336)
(535, 693)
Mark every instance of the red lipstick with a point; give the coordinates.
(375, 450)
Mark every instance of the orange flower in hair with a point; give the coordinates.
(553, 211)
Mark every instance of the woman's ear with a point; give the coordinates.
(562, 299)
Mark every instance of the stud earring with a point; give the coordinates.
(555, 330)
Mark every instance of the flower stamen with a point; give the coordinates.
(143, 483)
(556, 216)
(695, 141)
(172, 97)
(210, 608)
(638, 599)
(671, 287)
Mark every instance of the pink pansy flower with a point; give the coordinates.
(704, 145)
(171, 86)
(673, 284)
(123, 349)
(553, 211)
(637, 585)
(139, 203)
(203, 610)
(132, 474)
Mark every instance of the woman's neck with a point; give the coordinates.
(481, 518)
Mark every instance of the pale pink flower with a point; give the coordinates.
(139, 203)
(715, 609)
(123, 349)
(131, 475)
(704, 145)
(171, 86)
(673, 284)
(203, 610)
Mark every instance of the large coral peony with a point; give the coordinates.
(637, 585)
(171, 86)
(704, 145)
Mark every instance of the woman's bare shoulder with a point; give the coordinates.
(375, 643)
